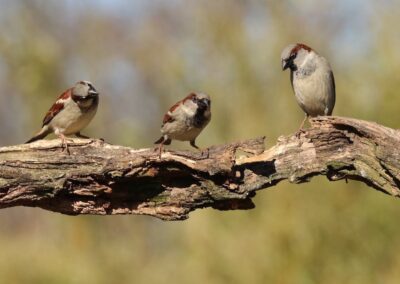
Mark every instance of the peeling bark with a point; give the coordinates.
(99, 178)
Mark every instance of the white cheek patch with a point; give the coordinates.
(309, 61)
(188, 110)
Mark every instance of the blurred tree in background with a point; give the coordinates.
(143, 56)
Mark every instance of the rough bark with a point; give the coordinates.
(99, 178)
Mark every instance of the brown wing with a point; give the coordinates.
(333, 81)
(56, 107)
(332, 78)
(167, 117)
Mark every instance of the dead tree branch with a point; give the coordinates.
(99, 178)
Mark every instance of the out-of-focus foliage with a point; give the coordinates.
(143, 56)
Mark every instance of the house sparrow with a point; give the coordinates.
(72, 112)
(185, 120)
(312, 80)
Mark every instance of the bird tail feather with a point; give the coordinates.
(42, 133)
(159, 140)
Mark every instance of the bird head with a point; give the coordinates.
(84, 94)
(84, 90)
(294, 56)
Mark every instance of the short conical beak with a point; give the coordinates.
(285, 65)
(93, 93)
(207, 102)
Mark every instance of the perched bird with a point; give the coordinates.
(72, 112)
(312, 80)
(185, 120)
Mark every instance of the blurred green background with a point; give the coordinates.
(145, 55)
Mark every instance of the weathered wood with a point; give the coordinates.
(99, 178)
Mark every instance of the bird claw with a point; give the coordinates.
(205, 154)
(299, 132)
(158, 149)
(64, 143)
(65, 147)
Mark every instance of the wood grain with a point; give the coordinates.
(99, 178)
